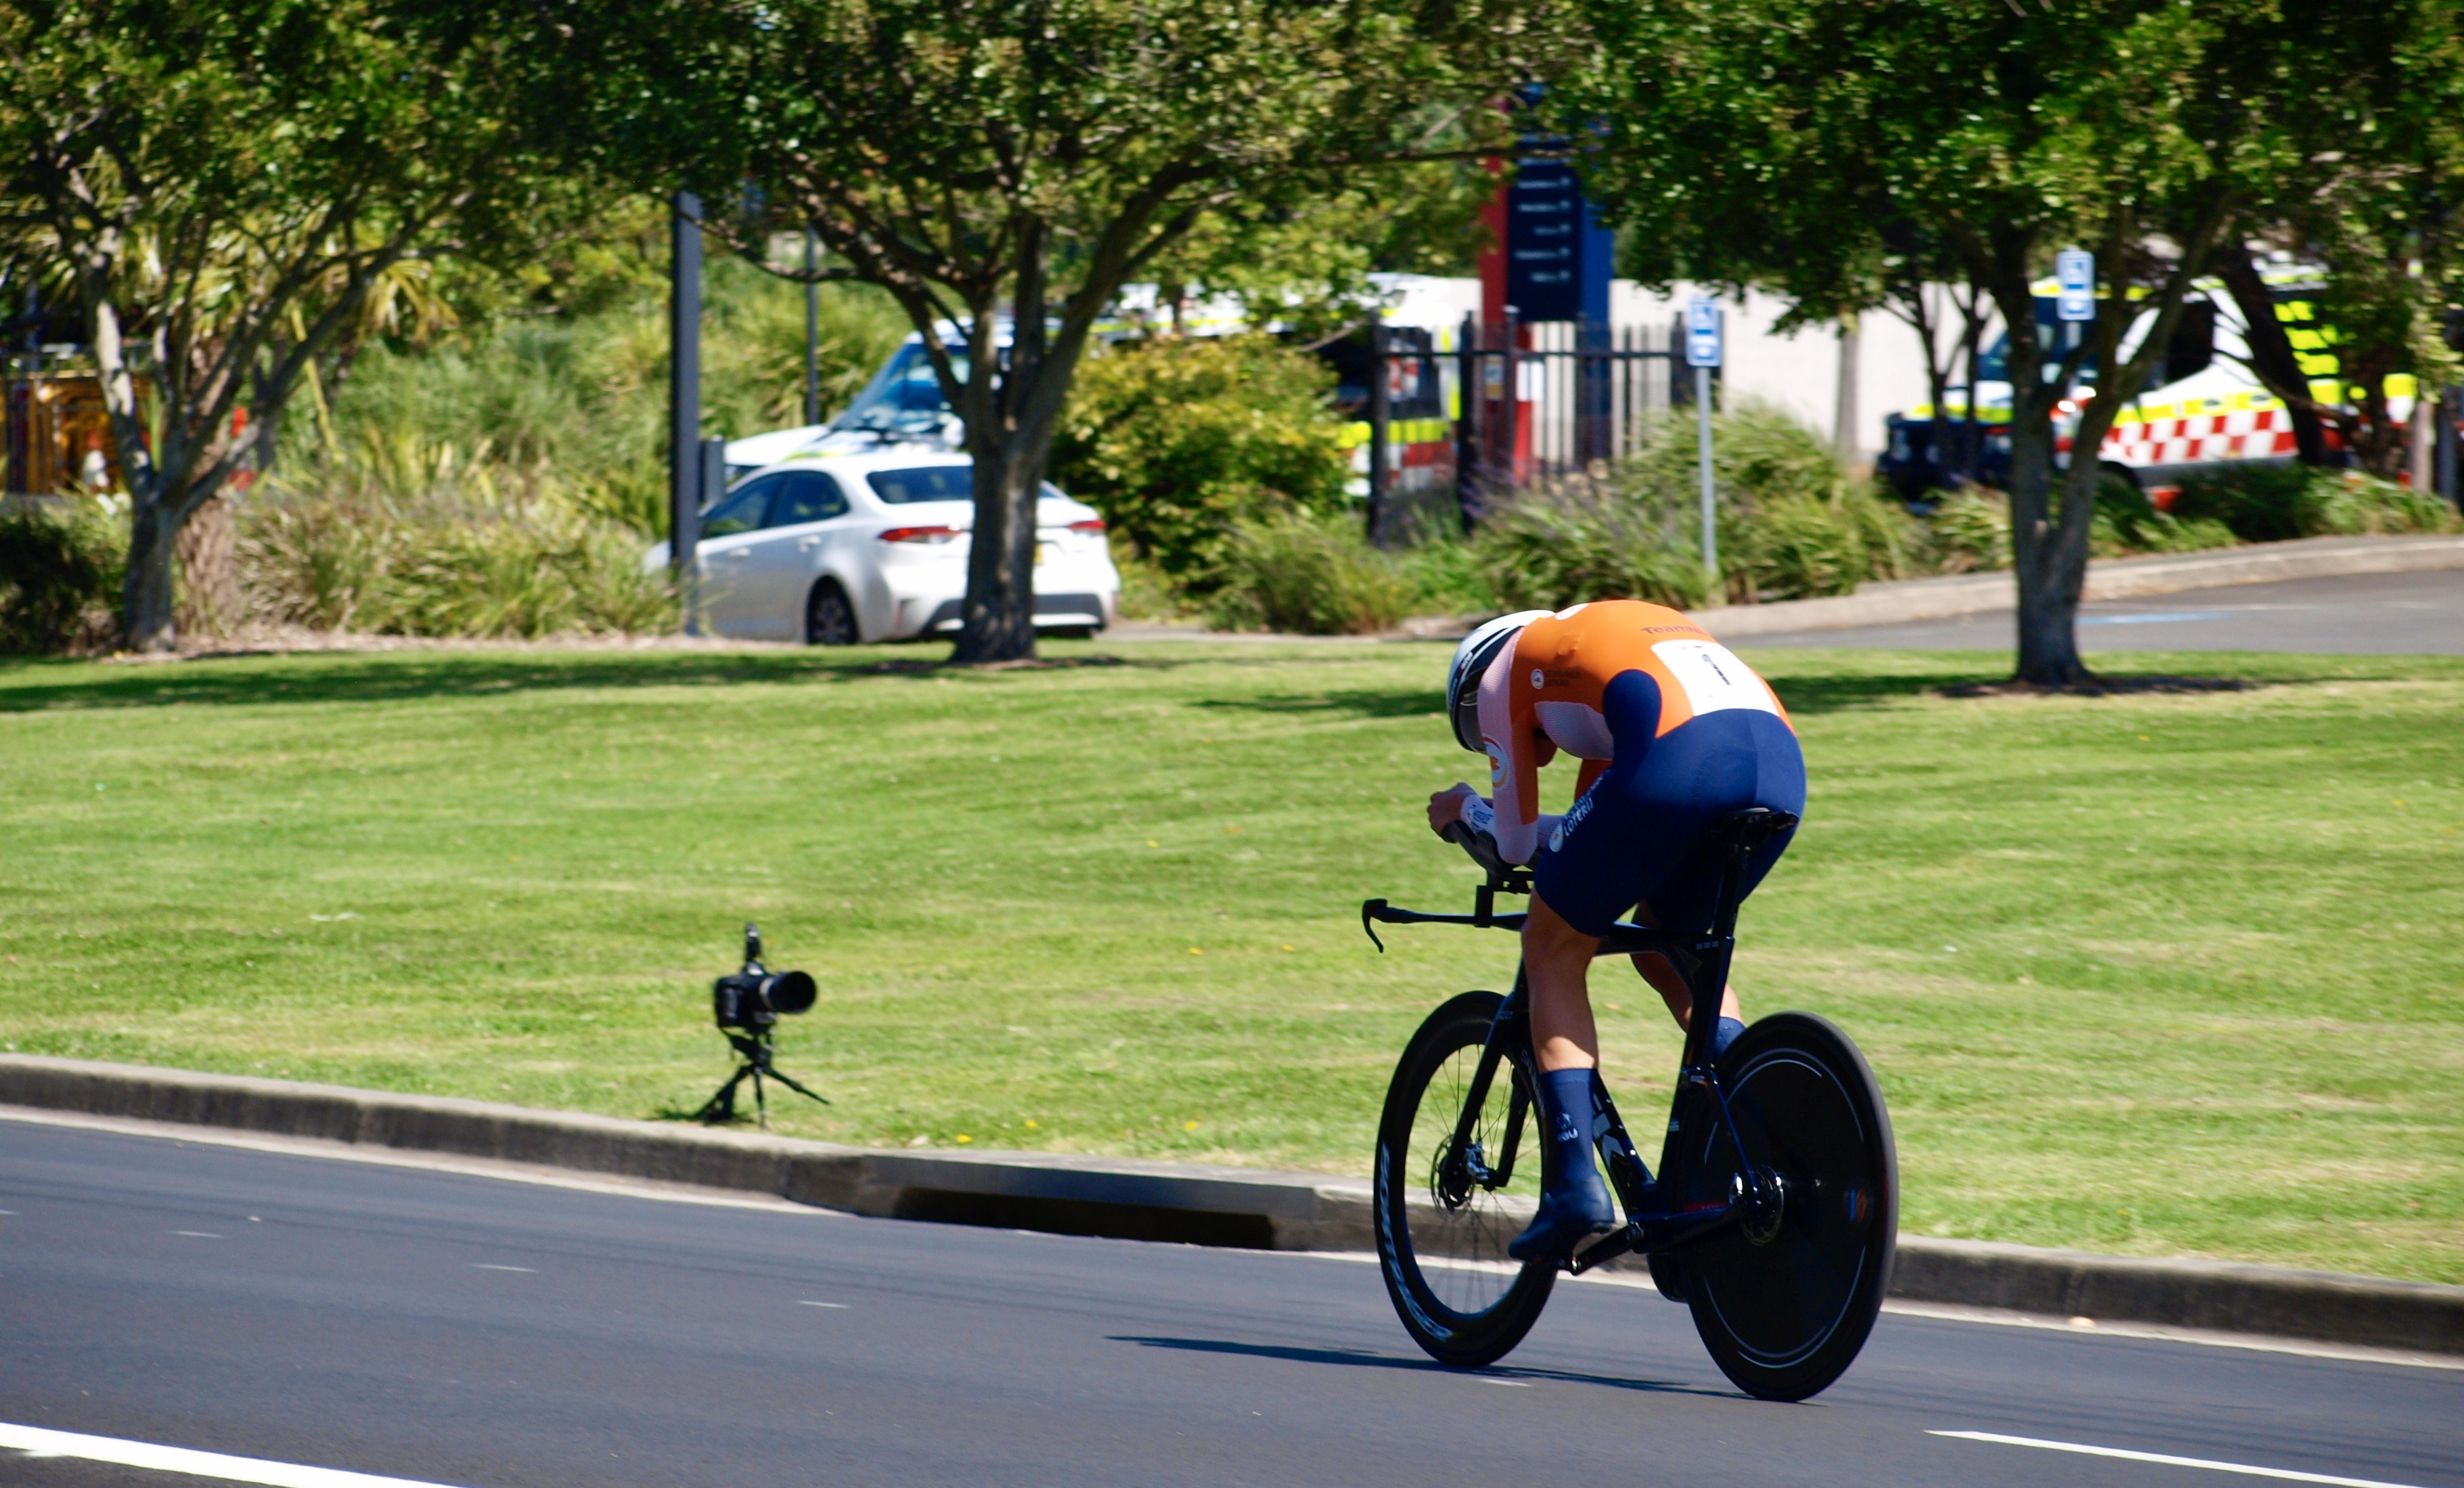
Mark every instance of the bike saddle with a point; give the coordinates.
(1753, 826)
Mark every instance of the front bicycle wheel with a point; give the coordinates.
(1444, 1214)
(1785, 1301)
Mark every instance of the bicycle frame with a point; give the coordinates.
(1656, 1216)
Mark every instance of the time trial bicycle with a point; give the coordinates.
(1775, 1209)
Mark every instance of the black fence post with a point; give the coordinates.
(1510, 410)
(2450, 412)
(1380, 420)
(683, 398)
(1467, 410)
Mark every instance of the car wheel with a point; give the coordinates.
(829, 619)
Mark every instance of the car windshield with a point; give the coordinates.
(904, 398)
(925, 483)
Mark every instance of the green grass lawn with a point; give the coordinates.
(2151, 973)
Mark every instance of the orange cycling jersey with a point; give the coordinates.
(1544, 693)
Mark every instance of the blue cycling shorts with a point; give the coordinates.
(1642, 833)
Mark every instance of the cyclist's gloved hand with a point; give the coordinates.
(1449, 806)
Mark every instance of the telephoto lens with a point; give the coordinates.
(754, 998)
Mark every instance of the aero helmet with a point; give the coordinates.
(1472, 663)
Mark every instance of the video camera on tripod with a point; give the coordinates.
(746, 1005)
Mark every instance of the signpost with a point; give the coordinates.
(1703, 353)
(683, 398)
(2075, 284)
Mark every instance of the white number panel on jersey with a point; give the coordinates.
(1713, 678)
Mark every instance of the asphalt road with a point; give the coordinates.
(465, 1330)
(2361, 613)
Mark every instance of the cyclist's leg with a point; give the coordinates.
(1557, 968)
(1574, 1203)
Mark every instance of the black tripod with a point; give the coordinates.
(753, 1049)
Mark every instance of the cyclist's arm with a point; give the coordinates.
(1513, 765)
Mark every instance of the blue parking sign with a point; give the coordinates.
(1702, 332)
(2075, 285)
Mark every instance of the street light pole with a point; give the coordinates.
(812, 336)
(683, 398)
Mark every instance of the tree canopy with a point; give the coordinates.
(1003, 167)
(1828, 152)
(231, 188)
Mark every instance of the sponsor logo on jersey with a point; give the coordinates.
(1569, 821)
(1496, 753)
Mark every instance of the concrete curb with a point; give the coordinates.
(2113, 578)
(1186, 1203)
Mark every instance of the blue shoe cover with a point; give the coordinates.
(1578, 1206)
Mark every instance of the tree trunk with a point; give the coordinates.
(146, 597)
(2051, 569)
(999, 623)
(2271, 351)
(210, 599)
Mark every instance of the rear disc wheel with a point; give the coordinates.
(1442, 1230)
(1785, 1301)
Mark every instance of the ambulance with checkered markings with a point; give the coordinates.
(2203, 407)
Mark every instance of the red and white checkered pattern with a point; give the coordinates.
(2248, 434)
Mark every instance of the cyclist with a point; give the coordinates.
(1675, 732)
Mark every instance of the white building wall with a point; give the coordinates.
(1800, 371)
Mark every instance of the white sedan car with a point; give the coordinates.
(835, 549)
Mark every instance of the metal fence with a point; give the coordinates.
(1517, 402)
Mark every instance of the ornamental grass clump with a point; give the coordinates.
(1311, 574)
(1791, 524)
(405, 535)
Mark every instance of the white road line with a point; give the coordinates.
(36, 1442)
(481, 1265)
(2285, 1474)
(835, 1306)
(197, 1234)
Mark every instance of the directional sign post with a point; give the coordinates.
(1703, 353)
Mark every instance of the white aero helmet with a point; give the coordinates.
(1472, 663)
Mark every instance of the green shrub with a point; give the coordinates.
(409, 538)
(1579, 539)
(2272, 503)
(60, 577)
(1178, 442)
(1306, 572)
(1790, 522)
(2127, 522)
(2348, 503)
(1969, 531)
(1445, 575)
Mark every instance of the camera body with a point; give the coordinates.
(752, 998)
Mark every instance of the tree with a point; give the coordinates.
(1786, 143)
(2376, 199)
(230, 184)
(1003, 167)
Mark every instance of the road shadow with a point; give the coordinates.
(1361, 1357)
(28, 686)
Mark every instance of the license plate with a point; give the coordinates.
(1042, 551)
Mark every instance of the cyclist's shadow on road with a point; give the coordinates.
(1363, 1359)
